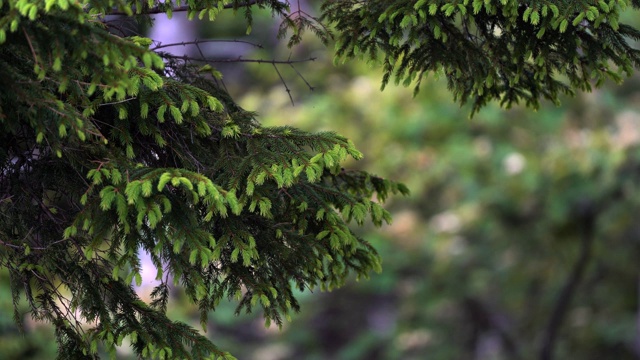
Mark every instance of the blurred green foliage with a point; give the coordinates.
(37, 342)
(501, 209)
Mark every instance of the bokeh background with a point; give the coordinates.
(517, 219)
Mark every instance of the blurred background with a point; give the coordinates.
(522, 230)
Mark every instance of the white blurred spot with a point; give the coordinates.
(514, 163)
(628, 131)
(446, 222)
(414, 339)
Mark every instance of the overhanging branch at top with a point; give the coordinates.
(161, 10)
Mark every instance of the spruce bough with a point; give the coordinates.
(107, 148)
(509, 51)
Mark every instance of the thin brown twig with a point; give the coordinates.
(241, 60)
(302, 77)
(214, 78)
(235, 60)
(198, 42)
(285, 84)
(200, 51)
(35, 248)
(3, 243)
(33, 51)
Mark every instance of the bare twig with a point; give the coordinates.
(3, 243)
(198, 42)
(200, 50)
(302, 77)
(285, 84)
(33, 51)
(273, 62)
(118, 102)
(235, 60)
(125, 27)
(34, 248)
(214, 78)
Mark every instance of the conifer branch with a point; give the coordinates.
(184, 8)
(109, 150)
(520, 52)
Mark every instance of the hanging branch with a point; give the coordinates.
(299, 21)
